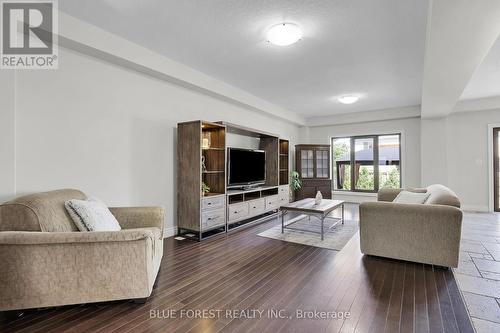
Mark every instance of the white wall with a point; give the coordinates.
(455, 153)
(7, 135)
(111, 131)
(467, 156)
(409, 128)
(434, 151)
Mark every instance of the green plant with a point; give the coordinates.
(295, 183)
(204, 188)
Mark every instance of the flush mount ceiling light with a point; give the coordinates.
(348, 99)
(284, 34)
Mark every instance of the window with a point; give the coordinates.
(366, 163)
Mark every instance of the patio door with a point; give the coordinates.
(496, 167)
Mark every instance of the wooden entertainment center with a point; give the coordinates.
(202, 159)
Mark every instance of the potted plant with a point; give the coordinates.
(295, 183)
(204, 189)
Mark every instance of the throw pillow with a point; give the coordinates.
(407, 197)
(91, 215)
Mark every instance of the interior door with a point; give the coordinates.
(496, 167)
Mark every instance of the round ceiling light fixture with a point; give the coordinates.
(348, 99)
(284, 34)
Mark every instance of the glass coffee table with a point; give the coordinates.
(308, 207)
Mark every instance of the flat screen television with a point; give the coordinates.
(246, 167)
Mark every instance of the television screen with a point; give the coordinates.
(246, 166)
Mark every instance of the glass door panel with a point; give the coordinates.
(341, 159)
(364, 170)
(322, 167)
(307, 163)
(389, 171)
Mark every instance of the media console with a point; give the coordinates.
(259, 202)
(201, 150)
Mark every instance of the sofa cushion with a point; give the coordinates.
(43, 211)
(441, 195)
(408, 197)
(92, 215)
(416, 189)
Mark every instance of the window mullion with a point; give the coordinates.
(353, 171)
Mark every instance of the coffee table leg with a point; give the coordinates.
(282, 221)
(322, 227)
(342, 213)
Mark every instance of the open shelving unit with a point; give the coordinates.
(284, 162)
(201, 159)
(213, 148)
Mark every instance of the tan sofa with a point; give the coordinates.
(45, 261)
(426, 233)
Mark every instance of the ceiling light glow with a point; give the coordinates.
(348, 99)
(284, 34)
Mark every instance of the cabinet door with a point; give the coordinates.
(307, 191)
(325, 189)
(307, 163)
(322, 163)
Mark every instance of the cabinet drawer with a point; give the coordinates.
(256, 207)
(284, 199)
(212, 202)
(213, 218)
(284, 194)
(238, 211)
(284, 189)
(272, 202)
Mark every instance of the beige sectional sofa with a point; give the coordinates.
(45, 261)
(426, 233)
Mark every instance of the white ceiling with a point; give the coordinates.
(375, 48)
(485, 81)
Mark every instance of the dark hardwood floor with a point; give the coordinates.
(243, 271)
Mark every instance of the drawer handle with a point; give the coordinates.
(254, 207)
(209, 203)
(236, 212)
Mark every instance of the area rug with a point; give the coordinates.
(335, 237)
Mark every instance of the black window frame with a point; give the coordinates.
(376, 180)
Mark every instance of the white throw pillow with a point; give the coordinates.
(407, 197)
(91, 215)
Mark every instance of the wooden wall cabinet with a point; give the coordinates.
(201, 158)
(312, 162)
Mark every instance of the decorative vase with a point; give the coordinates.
(203, 166)
(318, 198)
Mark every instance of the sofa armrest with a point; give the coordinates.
(38, 237)
(388, 194)
(139, 217)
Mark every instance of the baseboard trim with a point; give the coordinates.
(475, 208)
(169, 232)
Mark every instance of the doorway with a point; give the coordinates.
(496, 168)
